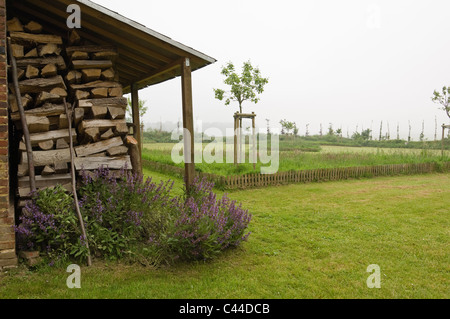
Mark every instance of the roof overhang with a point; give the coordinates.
(146, 57)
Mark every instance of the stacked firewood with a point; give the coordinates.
(85, 76)
(97, 96)
(40, 71)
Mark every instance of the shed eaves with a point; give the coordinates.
(146, 57)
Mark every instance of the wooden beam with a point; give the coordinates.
(188, 121)
(136, 116)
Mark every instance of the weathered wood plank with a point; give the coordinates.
(86, 150)
(92, 163)
(53, 135)
(41, 62)
(92, 64)
(29, 38)
(38, 85)
(43, 158)
(95, 84)
(120, 102)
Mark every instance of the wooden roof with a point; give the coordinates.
(146, 57)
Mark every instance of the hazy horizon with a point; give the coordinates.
(350, 63)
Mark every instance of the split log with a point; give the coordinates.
(92, 64)
(43, 158)
(135, 156)
(39, 85)
(31, 72)
(91, 135)
(81, 95)
(22, 146)
(59, 91)
(49, 70)
(49, 49)
(79, 116)
(99, 93)
(108, 75)
(22, 171)
(63, 122)
(47, 145)
(86, 150)
(45, 110)
(41, 62)
(93, 163)
(117, 151)
(74, 77)
(32, 53)
(61, 144)
(61, 168)
(107, 55)
(120, 102)
(107, 135)
(116, 113)
(28, 38)
(99, 112)
(53, 135)
(38, 124)
(95, 84)
(47, 181)
(90, 49)
(90, 75)
(20, 74)
(46, 97)
(14, 25)
(18, 51)
(33, 27)
(27, 101)
(121, 129)
(115, 92)
(74, 37)
(47, 171)
(102, 125)
(79, 56)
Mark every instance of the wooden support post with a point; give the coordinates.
(188, 121)
(235, 140)
(136, 117)
(443, 138)
(254, 142)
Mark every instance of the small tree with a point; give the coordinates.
(288, 126)
(142, 108)
(443, 99)
(244, 87)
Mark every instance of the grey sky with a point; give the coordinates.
(347, 62)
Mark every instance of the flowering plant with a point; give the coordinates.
(127, 216)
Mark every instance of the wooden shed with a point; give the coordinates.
(140, 58)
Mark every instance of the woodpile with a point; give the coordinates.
(50, 70)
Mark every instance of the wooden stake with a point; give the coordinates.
(23, 119)
(74, 182)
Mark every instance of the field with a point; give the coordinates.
(293, 158)
(315, 241)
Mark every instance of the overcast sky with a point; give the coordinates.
(346, 62)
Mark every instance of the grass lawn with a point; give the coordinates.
(308, 241)
(296, 159)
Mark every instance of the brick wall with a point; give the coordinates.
(7, 237)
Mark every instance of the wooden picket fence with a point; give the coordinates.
(255, 180)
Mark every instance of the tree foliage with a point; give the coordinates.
(142, 108)
(246, 86)
(443, 98)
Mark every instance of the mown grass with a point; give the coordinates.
(308, 241)
(296, 159)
